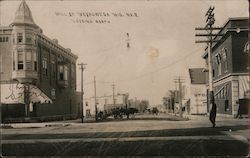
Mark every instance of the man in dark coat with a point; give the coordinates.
(212, 115)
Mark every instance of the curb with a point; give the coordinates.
(32, 125)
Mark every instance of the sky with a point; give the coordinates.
(161, 37)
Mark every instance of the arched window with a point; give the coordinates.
(246, 47)
(224, 53)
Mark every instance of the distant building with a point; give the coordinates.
(230, 62)
(197, 91)
(39, 75)
(105, 102)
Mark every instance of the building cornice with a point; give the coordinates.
(231, 75)
(57, 46)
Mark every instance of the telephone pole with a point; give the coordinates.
(82, 67)
(113, 87)
(95, 99)
(211, 39)
(1, 72)
(180, 81)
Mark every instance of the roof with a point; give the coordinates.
(197, 76)
(23, 15)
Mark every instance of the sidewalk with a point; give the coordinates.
(138, 117)
(65, 123)
(218, 117)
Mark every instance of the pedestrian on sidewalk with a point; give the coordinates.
(239, 115)
(212, 116)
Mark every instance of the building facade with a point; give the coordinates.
(33, 63)
(230, 63)
(196, 91)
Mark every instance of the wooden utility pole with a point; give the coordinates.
(180, 81)
(211, 38)
(82, 67)
(95, 99)
(1, 67)
(113, 87)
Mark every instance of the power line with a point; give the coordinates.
(157, 70)
(164, 67)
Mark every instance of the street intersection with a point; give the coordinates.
(193, 137)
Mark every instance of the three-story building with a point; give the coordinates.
(38, 76)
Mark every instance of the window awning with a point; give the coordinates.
(13, 93)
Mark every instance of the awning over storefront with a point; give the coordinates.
(14, 94)
(37, 96)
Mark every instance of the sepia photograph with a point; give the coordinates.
(124, 78)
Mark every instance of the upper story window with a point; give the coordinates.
(20, 60)
(224, 53)
(35, 60)
(65, 72)
(28, 38)
(4, 39)
(19, 37)
(14, 61)
(53, 66)
(28, 60)
(61, 72)
(247, 47)
(218, 62)
(45, 66)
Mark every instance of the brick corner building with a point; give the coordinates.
(38, 78)
(230, 62)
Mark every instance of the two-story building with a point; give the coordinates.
(230, 66)
(38, 76)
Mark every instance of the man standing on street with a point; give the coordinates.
(212, 115)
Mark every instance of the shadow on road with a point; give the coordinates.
(178, 147)
(201, 131)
